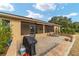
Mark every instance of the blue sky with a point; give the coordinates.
(42, 11)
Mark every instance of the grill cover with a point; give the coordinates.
(29, 43)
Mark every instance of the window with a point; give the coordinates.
(49, 29)
(25, 28)
(7, 22)
(39, 28)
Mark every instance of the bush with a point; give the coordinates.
(1, 49)
(68, 30)
(5, 35)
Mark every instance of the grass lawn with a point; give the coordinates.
(75, 49)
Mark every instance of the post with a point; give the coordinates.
(43, 28)
(16, 35)
(59, 29)
(54, 29)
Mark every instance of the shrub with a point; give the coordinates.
(5, 34)
(68, 30)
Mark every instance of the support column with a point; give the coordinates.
(59, 29)
(54, 29)
(16, 35)
(43, 28)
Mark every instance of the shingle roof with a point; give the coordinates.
(25, 18)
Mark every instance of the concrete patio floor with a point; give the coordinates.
(45, 44)
(60, 50)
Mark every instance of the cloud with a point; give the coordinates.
(45, 6)
(68, 15)
(34, 15)
(71, 14)
(6, 7)
(49, 17)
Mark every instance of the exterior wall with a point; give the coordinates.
(16, 35)
(56, 29)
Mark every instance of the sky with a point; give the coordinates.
(42, 11)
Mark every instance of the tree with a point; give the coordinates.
(65, 23)
(76, 26)
(5, 35)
